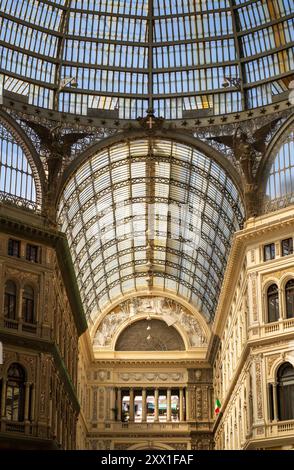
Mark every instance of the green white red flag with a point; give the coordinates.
(217, 406)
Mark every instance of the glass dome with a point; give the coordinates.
(118, 58)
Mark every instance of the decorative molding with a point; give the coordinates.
(37, 230)
(253, 282)
(256, 229)
(158, 307)
(258, 384)
(21, 109)
(135, 377)
(270, 361)
(278, 274)
(43, 346)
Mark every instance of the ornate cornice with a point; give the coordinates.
(213, 348)
(193, 363)
(185, 123)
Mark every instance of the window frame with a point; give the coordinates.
(29, 248)
(14, 383)
(12, 244)
(272, 248)
(277, 302)
(26, 301)
(285, 402)
(290, 239)
(287, 302)
(8, 299)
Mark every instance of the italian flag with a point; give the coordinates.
(217, 406)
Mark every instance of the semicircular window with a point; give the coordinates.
(280, 183)
(17, 183)
(150, 335)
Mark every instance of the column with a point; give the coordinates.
(112, 404)
(168, 405)
(131, 410)
(156, 395)
(275, 402)
(54, 414)
(210, 392)
(181, 398)
(188, 404)
(19, 309)
(3, 398)
(144, 405)
(33, 402)
(27, 401)
(118, 404)
(19, 305)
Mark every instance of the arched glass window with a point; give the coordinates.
(286, 391)
(15, 391)
(17, 182)
(289, 290)
(273, 303)
(280, 184)
(10, 300)
(28, 305)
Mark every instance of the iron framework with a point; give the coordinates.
(131, 55)
(149, 213)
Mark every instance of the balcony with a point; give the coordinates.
(20, 326)
(142, 428)
(280, 429)
(272, 329)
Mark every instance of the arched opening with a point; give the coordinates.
(28, 304)
(280, 183)
(272, 303)
(286, 391)
(10, 300)
(17, 178)
(289, 294)
(150, 335)
(15, 393)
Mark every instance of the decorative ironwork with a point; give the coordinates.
(17, 179)
(19, 202)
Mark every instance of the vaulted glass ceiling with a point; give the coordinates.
(149, 214)
(129, 55)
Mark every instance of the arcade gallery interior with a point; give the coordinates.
(146, 224)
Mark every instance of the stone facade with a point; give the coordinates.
(45, 347)
(251, 348)
(73, 391)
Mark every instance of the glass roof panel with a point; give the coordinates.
(130, 55)
(144, 232)
(18, 175)
(280, 183)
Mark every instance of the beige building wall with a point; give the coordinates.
(250, 348)
(46, 348)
